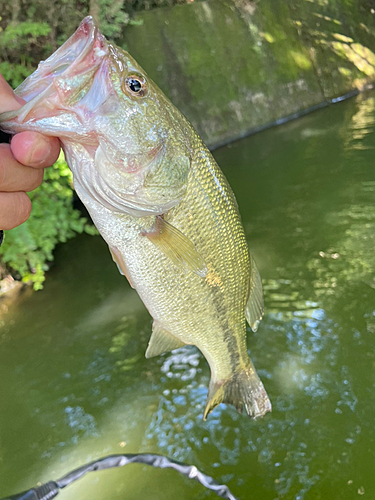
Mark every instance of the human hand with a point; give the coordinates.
(21, 164)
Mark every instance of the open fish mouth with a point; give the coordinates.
(82, 52)
(63, 78)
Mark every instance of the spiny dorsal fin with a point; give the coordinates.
(255, 305)
(176, 246)
(161, 341)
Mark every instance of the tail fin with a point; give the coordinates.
(243, 388)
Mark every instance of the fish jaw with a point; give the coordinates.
(61, 82)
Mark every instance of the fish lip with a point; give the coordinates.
(82, 52)
(74, 51)
(94, 47)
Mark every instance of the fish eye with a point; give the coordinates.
(135, 85)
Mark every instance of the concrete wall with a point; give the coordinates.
(232, 66)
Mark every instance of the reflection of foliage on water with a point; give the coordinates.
(306, 376)
(353, 257)
(82, 423)
(125, 343)
(361, 124)
(177, 426)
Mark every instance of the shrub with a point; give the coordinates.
(28, 249)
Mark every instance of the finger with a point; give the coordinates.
(15, 209)
(34, 149)
(29, 148)
(9, 100)
(14, 176)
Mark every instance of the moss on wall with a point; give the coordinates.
(234, 65)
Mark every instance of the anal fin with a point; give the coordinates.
(255, 305)
(161, 341)
(180, 250)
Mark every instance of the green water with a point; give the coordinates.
(75, 384)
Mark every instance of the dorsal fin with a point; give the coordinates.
(255, 305)
(161, 341)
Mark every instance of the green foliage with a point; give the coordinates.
(14, 73)
(112, 18)
(20, 44)
(21, 35)
(28, 248)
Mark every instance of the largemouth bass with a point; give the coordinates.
(159, 200)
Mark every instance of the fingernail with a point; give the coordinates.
(42, 148)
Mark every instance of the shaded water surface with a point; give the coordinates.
(75, 384)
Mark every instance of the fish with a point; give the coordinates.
(159, 200)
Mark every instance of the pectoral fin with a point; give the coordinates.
(117, 258)
(255, 305)
(161, 341)
(177, 247)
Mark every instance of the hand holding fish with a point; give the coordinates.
(21, 164)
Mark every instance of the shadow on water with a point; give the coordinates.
(76, 385)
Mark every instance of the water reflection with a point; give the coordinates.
(78, 386)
